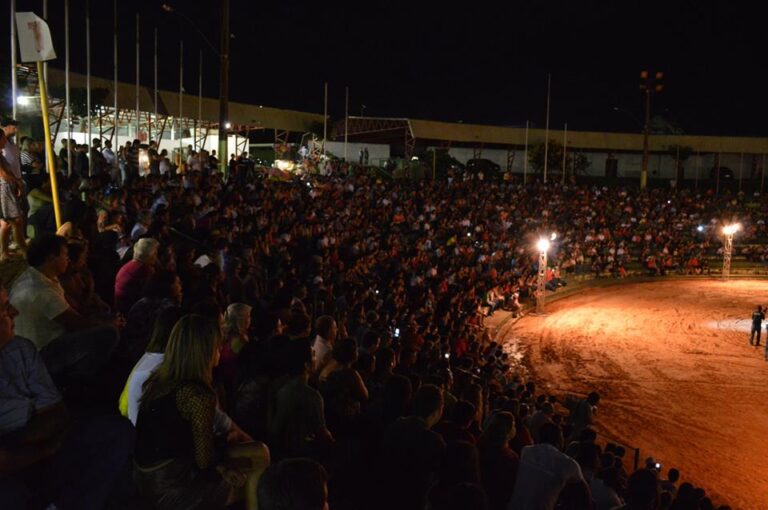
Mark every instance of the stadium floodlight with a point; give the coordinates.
(700, 228)
(728, 230)
(542, 245)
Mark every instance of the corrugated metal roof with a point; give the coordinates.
(588, 140)
(168, 104)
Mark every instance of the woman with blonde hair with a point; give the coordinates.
(237, 322)
(176, 462)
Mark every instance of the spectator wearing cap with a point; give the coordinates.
(72, 345)
(13, 204)
(133, 276)
(543, 472)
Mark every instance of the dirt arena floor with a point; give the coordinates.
(677, 375)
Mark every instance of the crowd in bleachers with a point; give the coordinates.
(312, 342)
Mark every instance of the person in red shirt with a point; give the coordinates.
(132, 276)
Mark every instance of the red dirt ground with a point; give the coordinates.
(677, 375)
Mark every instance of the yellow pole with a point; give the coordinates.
(48, 146)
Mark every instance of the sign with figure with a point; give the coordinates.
(35, 44)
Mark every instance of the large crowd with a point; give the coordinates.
(189, 341)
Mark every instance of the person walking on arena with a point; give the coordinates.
(758, 316)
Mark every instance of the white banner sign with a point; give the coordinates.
(35, 42)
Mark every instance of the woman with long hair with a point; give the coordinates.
(176, 462)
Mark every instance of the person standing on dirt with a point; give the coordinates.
(758, 316)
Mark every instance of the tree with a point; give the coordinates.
(680, 154)
(78, 99)
(575, 162)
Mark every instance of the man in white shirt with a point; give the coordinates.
(543, 472)
(110, 159)
(70, 344)
(322, 347)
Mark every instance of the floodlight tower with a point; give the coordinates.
(542, 245)
(728, 231)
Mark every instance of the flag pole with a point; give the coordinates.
(114, 86)
(138, 113)
(88, 80)
(154, 98)
(199, 121)
(45, 17)
(181, 96)
(66, 87)
(325, 117)
(14, 84)
(565, 148)
(546, 129)
(525, 162)
(48, 145)
(346, 121)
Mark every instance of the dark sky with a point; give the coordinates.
(478, 62)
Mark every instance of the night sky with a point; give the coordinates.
(476, 62)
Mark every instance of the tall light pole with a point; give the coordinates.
(224, 88)
(728, 231)
(223, 54)
(650, 83)
(542, 245)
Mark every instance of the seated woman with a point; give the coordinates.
(237, 322)
(162, 290)
(78, 283)
(177, 464)
(342, 388)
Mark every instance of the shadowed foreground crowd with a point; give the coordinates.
(186, 343)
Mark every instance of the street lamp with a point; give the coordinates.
(542, 245)
(728, 231)
(223, 54)
(651, 82)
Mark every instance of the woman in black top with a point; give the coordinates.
(177, 464)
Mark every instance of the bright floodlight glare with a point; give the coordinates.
(228, 125)
(542, 245)
(731, 229)
(700, 228)
(23, 100)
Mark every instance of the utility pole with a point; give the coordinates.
(651, 82)
(224, 88)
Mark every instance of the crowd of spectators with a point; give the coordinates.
(317, 341)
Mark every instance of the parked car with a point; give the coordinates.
(726, 174)
(486, 166)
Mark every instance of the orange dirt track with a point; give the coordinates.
(677, 375)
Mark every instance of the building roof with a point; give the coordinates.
(587, 140)
(255, 116)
